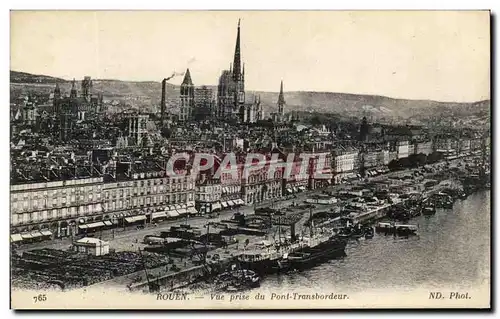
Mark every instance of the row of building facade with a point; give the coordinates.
(70, 207)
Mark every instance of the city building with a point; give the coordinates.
(257, 186)
(54, 208)
(423, 147)
(203, 103)
(346, 164)
(149, 194)
(91, 246)
(187, 98)
(208, 194)
(29, 111)
(137, 128)
(403, 148)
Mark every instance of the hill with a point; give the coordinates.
(147, 95)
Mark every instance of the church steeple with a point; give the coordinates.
(281, 100)
(57, 90)
(187, 78)
(237, 56)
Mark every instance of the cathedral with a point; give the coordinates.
(69, 110)
(231, 102)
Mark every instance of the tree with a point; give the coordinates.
(434, 157)
(394, 165)
(417, 160)
(404, 162)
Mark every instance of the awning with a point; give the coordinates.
(302, 188)
(182, 211)
(172, 213)
(230, 203)
(108, 223)
(190, 204)
(192, 210)
(171, 207)
(135, 218)
(159, 215)
(46, 232)
(184, 206)
(178, 206)
(289, 190)
(95, 225)
(35, 234)
(224, 204)
(16, 237)
(240, 201)
(26, 236)
(216, 206)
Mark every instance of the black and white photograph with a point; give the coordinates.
(250, 159)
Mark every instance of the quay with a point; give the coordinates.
(159, 274)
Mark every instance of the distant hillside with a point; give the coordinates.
(21, 77)
(147, 95)
(370, 105)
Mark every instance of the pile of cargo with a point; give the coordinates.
(41, 267)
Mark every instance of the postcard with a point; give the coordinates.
(250, 160)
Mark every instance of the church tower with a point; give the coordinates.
(238, 79)
(73, 93)
(231, 88)
(187, 97)
(57, 99)
(281, 102)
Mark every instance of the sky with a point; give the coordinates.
(437, 55)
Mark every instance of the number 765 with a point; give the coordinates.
(40, 298)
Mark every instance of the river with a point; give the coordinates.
(452, 249)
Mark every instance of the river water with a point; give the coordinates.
(452, 249)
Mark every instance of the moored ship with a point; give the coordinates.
(310, 256)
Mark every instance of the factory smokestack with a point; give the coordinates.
(163, 100)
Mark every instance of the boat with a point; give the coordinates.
(443, 200)
(237, 280)
(429, 210)
(406, 230)
(396, 229)
(260, 262)
(369, 232)
(310, 256)
(345, 233)
(384, 227)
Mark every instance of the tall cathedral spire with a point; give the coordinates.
(281, 100)
(237, 57)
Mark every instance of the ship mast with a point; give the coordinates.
(279, 230)
(153, 287)
(311, 231)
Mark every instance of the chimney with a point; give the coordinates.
(163, 100)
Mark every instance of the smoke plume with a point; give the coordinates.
(174, 74)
